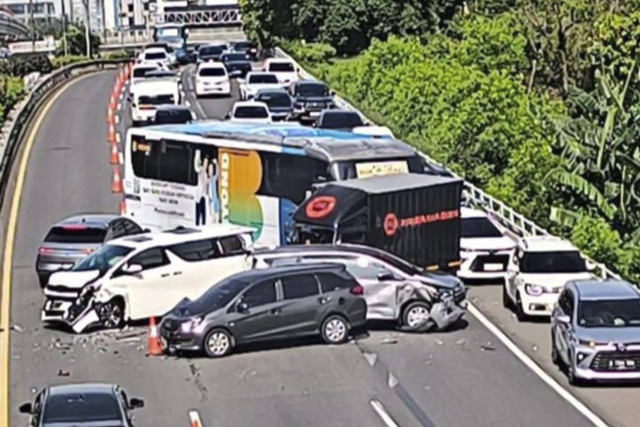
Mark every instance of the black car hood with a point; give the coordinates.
(186, 309)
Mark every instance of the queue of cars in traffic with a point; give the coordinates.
(214, 289)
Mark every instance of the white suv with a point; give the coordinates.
(538, 271)
(284, 70)
(145, 275)
(212, 79)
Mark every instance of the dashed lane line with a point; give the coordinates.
(5, 302)
(383, 414)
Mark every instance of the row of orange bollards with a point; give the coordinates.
(114, 156)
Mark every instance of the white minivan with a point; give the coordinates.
(145, 275)
(147, 95)
(212, 79)
(284, 70)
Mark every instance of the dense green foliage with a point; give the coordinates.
(63, 61)
(19, 66)
(11, 90)
(76, 43)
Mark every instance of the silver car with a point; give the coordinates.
(393, 288)
(595, 331)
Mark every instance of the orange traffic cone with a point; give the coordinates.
(194, 417)
(109, 115)
(154, 347)
(114, 158)
(116, 185)
(111, 135)
(112, 101)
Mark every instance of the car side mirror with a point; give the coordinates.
(250, 96)
(227, 116)
(132, 269)
(332, 93)
(564, 319)
(26, 408)
(136, 403)
(242, 307)
(590, 265)
(385, 275)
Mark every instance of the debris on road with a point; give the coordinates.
(62, 373)
(487, 348)
(389, 340)
(439, 342)
(17, 328)
(534, 348)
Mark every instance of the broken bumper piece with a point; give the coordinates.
(78, 317)
(446, 312)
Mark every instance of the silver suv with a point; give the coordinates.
(595, 331)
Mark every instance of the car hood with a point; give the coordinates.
(187, 309)
(487, 244)
(73, 279)
(86, 424)
(553, 280)
(443, 281)
(606, 335)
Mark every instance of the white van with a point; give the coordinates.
(284, 69)
(156, 55)
(145, 275)
(212, 79)
(147, 95)
(139, 71)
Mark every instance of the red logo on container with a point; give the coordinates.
(320, 206)
(390, 224)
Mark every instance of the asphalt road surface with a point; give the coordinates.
(459, 378)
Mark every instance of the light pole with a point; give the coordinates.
(33, 27)
(64, 28)
(86, 27)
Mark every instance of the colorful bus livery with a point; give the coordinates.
(246, 174)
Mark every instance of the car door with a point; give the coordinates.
(381, 284)
(149, 291)
(565, 330)
(261, 320)
(511, 277)
(200, 267)
(301, 311)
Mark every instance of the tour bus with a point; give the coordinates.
(247, 174)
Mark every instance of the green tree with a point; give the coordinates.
(76, 42)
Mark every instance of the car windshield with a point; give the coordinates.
(281, 67)
(398, 263)
(81, 408)
(250, 113)
(275, 99)
(156, 100)
(346, 169)
(341, 120)
(478, 228)
(75, 234)
(244, 45)
(211, 50)
(102, 259)
(618, 313)
(234, 57)
(218, 296)
(312, 90)
(155, 56)
(169, 32)
(141, 72)
(263, 78)
(553, 262)
(212, 72)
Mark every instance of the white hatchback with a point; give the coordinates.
(250, 111)
(284, 70)
(145, 275)
(212, 79)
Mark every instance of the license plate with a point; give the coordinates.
(493, 267)
(622, 364)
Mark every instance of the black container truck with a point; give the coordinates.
(414, 216)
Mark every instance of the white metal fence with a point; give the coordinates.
(514, 221)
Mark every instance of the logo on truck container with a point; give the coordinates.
(392, 223)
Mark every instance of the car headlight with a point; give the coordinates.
(588, 343)
(190, 325)
(445, 294)
(533, 290)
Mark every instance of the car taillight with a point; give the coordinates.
(357, 290)
(45, 251)
(74, 227)
(88, 250)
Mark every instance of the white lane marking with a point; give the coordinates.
(383, 414)
(531, 364)
(121, 158)
(118, 137)
(371, 358)
(121, 95)
(187, 103)
(194, 418)
(119, 106)
(392, 381)
(116, 119)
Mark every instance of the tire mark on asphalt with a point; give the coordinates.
(405, 397)
(195, 373)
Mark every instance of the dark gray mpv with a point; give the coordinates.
(274, 303)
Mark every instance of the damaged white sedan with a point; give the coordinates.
(393, 288)
(145, 275)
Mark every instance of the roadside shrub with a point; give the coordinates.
(19, 66)
(312, 53)
(118, 54)
(63, 61)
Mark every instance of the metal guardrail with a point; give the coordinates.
(34, 98)
(507, 216)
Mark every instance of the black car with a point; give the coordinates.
(82, 405)
(339, 120)
(311, 98)
(279, 102)
(75, 237)
(173, 114)
(238, 64)
(248, 47)
(211, 52)
(274, 303)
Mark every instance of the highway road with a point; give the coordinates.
(457, 378)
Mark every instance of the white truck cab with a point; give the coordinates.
(538, 271)
(147, 95)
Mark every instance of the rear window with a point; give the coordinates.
(342, 120)
(275, 99)
(200, 250)
(331, 282)
(156, 100)
(211, 50)
(173, 117)
(281, 67)
(299, 286)
(155, 56)
(141, 72)
(72, 234)
(82, 408)
(234, 57)
(263, 78)
(212, 72)
(250, 113)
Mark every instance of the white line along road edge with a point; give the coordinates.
(194, 419)
(382, 413)
(564, 393)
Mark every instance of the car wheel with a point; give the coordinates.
(519, 310)
(506, 300)
(334, 330)
(571, 376)
(112, 314)
(555, 357)
(416, 315)
(218, 343)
